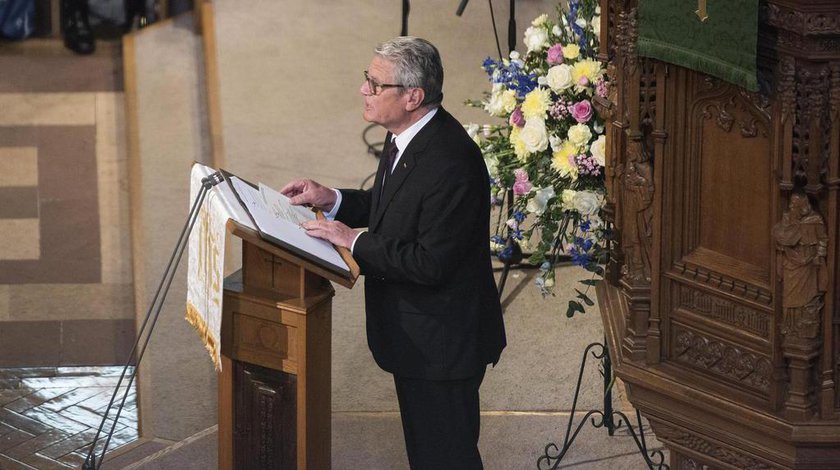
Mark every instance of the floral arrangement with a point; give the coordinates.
(546, 162)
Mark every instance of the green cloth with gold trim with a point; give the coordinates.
(723, 46)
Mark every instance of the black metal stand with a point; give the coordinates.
(153, 313)
(553, 455)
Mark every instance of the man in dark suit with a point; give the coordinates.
(433, 314)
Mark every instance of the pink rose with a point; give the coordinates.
(582, 111)
(555, 54)
(521, 187)
(516, 117)
(522, 184)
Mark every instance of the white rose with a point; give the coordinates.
(568, 199)
(587, 202)
(596, 25)
(581, 23)
(559, 77)
(514, 55)
(536, 38)
(538, 203)
(534, 136)
(599, 149)
(556, 30)
(579, 135)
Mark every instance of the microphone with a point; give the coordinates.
(460, 10)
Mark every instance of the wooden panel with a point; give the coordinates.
(732, 364)
(265, 435)
(725, 180)
(267, 343)
(735, 194)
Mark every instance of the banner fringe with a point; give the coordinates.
(194, 318)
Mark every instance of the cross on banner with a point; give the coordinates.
(701, 11)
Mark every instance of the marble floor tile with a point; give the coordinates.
(18, 166)
(48, 109)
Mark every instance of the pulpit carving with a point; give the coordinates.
(637, 228)
(711, 449)
(723, 359)
(750, 320)
(811, 160)
(801, 241)
(724, 307)
(803, 23)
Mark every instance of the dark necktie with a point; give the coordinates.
(390, 155)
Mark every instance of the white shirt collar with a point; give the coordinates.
(407, 135)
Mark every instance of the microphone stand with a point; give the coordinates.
(153, 313)
(406, 9)
(512, 27)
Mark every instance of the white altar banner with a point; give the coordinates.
(206, 259)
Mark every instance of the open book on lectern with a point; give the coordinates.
(279, 222)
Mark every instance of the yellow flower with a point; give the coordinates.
(591, 69)
(571, 51)
(540, 20)
(536, 103)
(562, 160)
(517, 143)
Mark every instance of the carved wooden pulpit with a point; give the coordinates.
(274, 389)
(721, 304)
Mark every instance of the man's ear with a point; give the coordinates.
(415, 99)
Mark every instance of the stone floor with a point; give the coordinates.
(49, 415)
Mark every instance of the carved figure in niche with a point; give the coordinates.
(638, 213)
(802, 240)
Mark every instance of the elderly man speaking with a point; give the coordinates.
(433, 314)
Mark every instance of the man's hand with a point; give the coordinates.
(302, 192)
(335, 232)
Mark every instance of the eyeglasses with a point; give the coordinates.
(376, 88)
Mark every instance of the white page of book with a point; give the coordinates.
(290, 232)
(280, 206)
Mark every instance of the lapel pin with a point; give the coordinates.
(404, 165)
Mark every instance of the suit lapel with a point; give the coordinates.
(377, 181)
(395, 181)
(404, 167)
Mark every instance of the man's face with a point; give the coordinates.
(388, 108)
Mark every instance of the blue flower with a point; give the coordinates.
(497, 239)
(579, 258)
(585, 226)
(489, 65)
(518, 216)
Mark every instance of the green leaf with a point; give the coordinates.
(590, 282)
(574, 307)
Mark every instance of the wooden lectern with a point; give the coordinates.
(274, 389)
(721, 305)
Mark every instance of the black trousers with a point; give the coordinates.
(441, 422)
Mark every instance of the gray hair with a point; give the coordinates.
(416, 65)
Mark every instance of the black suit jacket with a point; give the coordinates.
(431, 301)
